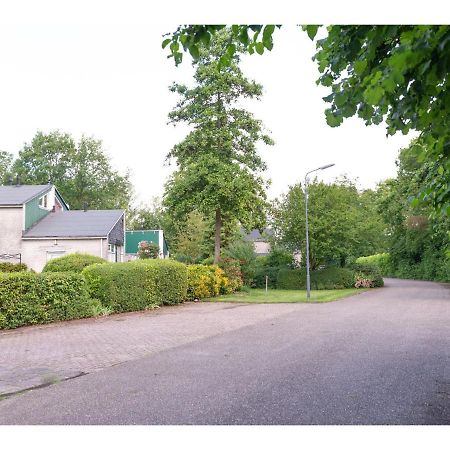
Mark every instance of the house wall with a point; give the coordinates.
(11, 224)
(262, 248)
(36, 252)
(34, 213)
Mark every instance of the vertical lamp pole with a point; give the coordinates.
(308, 278)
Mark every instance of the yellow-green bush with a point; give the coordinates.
(29, 298)
(206, 281)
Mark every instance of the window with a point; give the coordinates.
(43, 202)
(52, 255)
(111, 248)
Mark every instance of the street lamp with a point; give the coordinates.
(308, 279)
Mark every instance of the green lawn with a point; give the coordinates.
(282, 296)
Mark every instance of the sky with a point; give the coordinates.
(105, 75)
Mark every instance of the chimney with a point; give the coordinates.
(17, 181)
(85, 207)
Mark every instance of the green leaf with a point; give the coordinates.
(259, 47)
(205, 38)
(166, 42)
(268, 31)
(243, 37)
(340, 98)
(332, 119)
(360, 66)
(373, 95)
(193, 50)
(312, 31)
(231, 49)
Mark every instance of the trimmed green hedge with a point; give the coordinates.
(8, 267)
(137, 285)
(329, 278)
(382, 261)
(30, 298)
(74, 262)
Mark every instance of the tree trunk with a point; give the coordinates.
(218, 228)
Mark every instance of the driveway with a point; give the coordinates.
(381, 357)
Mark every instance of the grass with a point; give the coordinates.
(285, 296)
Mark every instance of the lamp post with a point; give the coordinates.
(308, 278)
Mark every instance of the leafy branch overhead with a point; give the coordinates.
(397, 74)
(191, 38)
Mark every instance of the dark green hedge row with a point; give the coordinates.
(329, 278)
(137, 285)
(31, 298)
(74, 262)
(12, 267)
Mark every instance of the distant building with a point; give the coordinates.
(132, 239)
(37, 226)
(260, 240)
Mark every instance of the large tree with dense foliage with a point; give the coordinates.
(343, 223)
(392, 73)
(219, 171)
(418, 241)
(81, 171)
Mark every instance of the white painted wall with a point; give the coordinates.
(262, 248)
(36, 252)
(11, 225)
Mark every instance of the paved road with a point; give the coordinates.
(382, 357)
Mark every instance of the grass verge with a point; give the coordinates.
(285, 296)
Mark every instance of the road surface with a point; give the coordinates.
(382, 357)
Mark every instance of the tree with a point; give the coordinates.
(418, 241)
(191, 241)
(219, 169)
(6, 160)
(81, 171)
(395, 73)
(341, 225)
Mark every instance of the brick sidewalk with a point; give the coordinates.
(33, 356)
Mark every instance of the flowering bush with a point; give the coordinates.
(232, 270)
(362, 281)
(148, 250)
(206, 281)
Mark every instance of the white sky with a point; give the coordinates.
(99, 72)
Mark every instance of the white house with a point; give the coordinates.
(36, 225)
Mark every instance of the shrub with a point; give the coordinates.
(232, 270)
(148, 250)
(261, 272)
(206, 281)
(137, 285)
(244, 252)
(328, 278)
(367, 274)
(12, 267)
(74, 262)
(30, 298)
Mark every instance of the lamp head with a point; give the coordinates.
(326, 167)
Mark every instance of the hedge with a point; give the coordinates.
(28, 298)
(329, 278)
(381, 260)
(206, 281)
(12, 267)
(137, 285)
(74, 262)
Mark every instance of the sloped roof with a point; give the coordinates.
(18, 195)
(94, 223)
(257, 236)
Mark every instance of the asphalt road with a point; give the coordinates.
(382, 357)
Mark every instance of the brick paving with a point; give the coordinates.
(39, 355)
